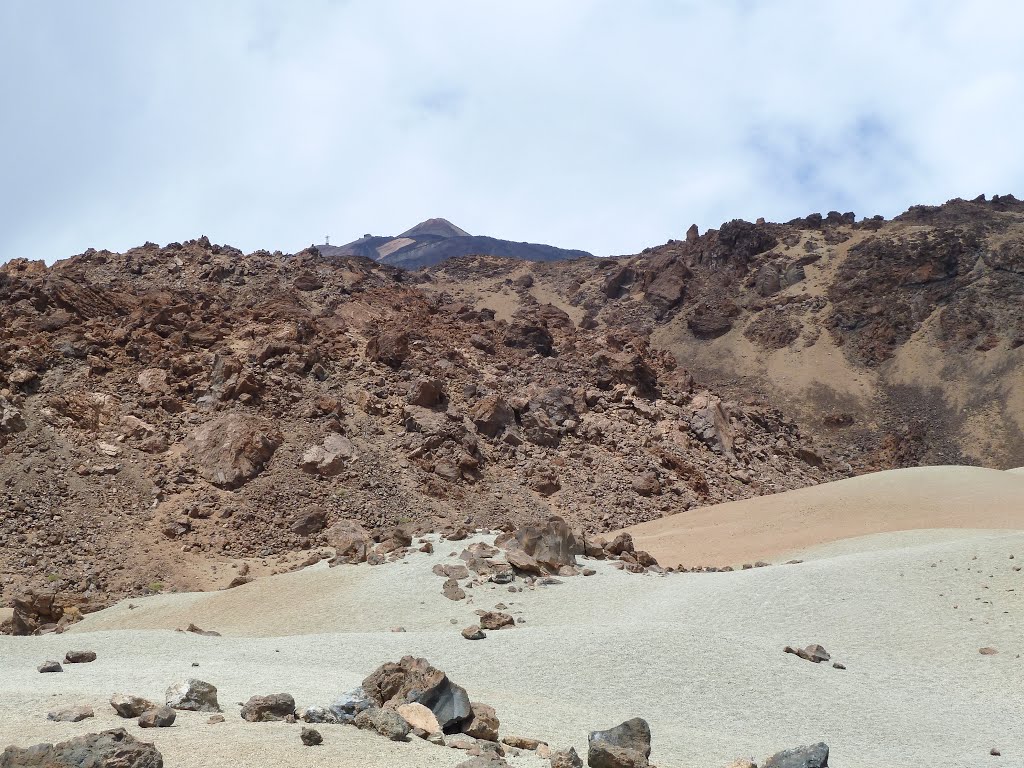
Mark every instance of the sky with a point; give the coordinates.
(603, 125)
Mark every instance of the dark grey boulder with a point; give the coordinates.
(50, 666)
(79, 657)
(311, 737)
(814, 756)
(109, 748)
(627, 745)
(347, 706)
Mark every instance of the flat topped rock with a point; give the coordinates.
(265, 709)
(116, 748)
(70, 714)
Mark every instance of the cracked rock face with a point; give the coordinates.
(231, 450)
(627, 745)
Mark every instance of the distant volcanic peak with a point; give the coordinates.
(435, 228)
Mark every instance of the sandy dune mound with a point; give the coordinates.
(698, 655)
(776, 527)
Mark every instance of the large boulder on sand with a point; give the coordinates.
(415, 680)
(110, 748)
(231, 450)
(627, 745)
(265, 709)
(193, 695)
(552, 546)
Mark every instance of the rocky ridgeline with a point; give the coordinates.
(399, 701)
(169, 408)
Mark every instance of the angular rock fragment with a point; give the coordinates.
(130, 706)
(70, 714)
(627, 745)
(483, 723)
(814, 756)
(193, 695)
(567, 758)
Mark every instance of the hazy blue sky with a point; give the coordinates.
(603, 125)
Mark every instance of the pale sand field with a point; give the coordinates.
(698, 655)
(778, 527)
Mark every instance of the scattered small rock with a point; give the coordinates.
(988, 651)
(522, 742)
(50, 666)
(70, 714)
(79, 657)
(311, 737)
(814, 756)
(130, 706)
(814, 653)
(159, 717)
(473, 633)
(214, 719)
(567, 758)
(193, 695)
(495, 620)
(265, 709)
(452, 590)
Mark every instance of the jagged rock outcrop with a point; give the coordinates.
(109, 748)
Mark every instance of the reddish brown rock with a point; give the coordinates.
(483, 723)
(231, 450)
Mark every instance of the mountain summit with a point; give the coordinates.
(435, 240)
(435, 228)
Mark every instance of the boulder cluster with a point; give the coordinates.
(399, 700)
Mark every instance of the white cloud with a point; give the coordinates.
(594, 124)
